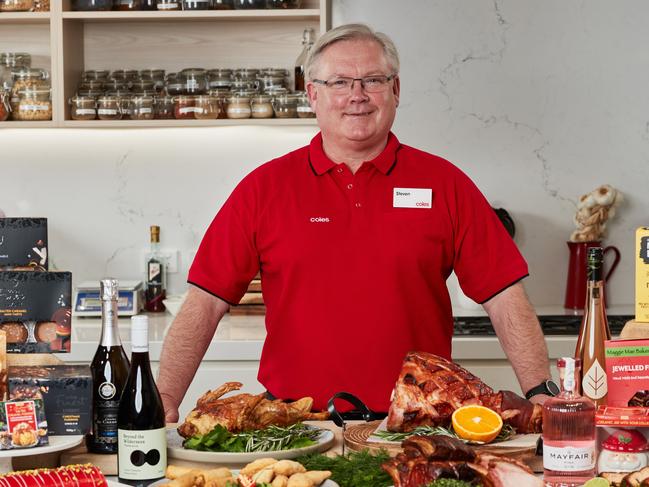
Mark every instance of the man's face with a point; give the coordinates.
(353, 116)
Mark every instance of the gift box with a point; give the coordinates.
(627, 372)
(22, 424)
(23, 244)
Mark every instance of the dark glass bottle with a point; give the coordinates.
(148, 5)
(594, 331)
(307, 43)
(126, 5)
(142, 457)
(109, 370)
(155, 275)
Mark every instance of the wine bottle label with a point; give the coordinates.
(105, 421)
(155, 272)
(593, 381)
(142, 455)
(567, 456)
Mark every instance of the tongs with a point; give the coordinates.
(361, 412)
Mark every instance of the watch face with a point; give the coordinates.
(553, 388)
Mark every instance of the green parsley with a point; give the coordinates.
(355, 469)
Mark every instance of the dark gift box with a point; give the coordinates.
(35, 311)
(66, 391)
(23, 244)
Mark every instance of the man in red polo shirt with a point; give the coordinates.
(354, 236)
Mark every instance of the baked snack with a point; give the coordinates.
(72, 475)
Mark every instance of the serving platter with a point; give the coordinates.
(326, 483)
(175, 450)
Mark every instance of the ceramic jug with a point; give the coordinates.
(576, 282)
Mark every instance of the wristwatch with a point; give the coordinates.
(548, 387)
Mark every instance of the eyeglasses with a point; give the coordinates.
(371, 84)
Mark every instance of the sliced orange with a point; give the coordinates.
(476, 423)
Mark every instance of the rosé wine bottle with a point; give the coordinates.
(568, 431)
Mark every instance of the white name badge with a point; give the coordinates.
(412, 198)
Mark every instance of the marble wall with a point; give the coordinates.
(538, 102)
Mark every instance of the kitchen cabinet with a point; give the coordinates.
(66, 43)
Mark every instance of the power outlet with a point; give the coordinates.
(169, 256)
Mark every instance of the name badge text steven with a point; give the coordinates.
(412, 198)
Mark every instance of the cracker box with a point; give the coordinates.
(66, 391)
(22, 424)
(23, 244)
(627, 372)
(36, 311)
(622, 440)
(642, 275)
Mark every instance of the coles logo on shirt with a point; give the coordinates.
(319, 219)
(412, 198)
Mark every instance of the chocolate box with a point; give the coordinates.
(66, 391)
(23, 244)
(36, 311)
(22, 424)
(627, 372)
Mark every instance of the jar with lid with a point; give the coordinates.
(222, 95)
(109, 108)
(238, 107)
(304, 109)
(196, 4)
(91, 93)
(113, 84)
(83, 108)
(16, 5)
(246, 73)
(219, 78)
(194, 81)
(142, 84)
(239, 84)
(148, 5)
(169, 5)
(261, 106)
(95, 74)
(126, 4)
(91, 84)
(92, 5)
(5, 107)
(283, 3)
(173, 85)
(15, 60)
(184, 107)
(285, 106)
(125, 75)
(124, 101)
(141, 107)
(155, 75)
(29, 78)
(206, 107)
(163, 107)
(269, 82)
(32, 103)
(222, 5)
(249, 4)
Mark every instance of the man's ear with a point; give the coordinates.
(312, 94)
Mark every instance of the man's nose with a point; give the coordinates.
(357, 90)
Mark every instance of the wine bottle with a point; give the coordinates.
(594, 331)
(109, 370)
(155, 275)
(307, 43)
(142, 455)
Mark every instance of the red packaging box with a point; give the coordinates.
(622, 440)
(627, 372)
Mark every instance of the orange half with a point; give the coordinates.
(476, 423)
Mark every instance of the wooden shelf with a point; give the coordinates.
(24, 125)
(245, 15)
(25, 17)
(271, 122)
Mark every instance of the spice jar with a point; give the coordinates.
(142, 84)
(169, 4)
(29, 78)
(207, 107)
(261, 106)
(125, 75)
(173, 85)
(248, 4)
(113, 84)
(155, 75)
(184, 107)
(95, 74)
(163, 107)
(222, 95)
(16, 5)
(283, 3)
(141, 107)
(268, 82)
(126, 4)
(83, 108)
(92, 5)
(108, 108)
(194, 81)
(5, 108)
(238, 107)
(33, 103)
(304, 109)
(222, 5)
(91, 93)
(92, 84)
(285, 106)
(219, 78)
(9, 62)
(196, 4)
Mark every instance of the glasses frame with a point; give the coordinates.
(327, 83)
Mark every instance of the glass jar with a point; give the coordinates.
(141, 107)
(83, 108)
(246, 74)
(222, 5)
(92, 84)
(125, 75)
(29, 78)
(33, 103)
(92, 5)
(155, 75)
(16, 5)
(164, 107)
(206, 107)
(248, 85)
(9, 62)
(91, 93)
(274, 72)
(196, 4)
(194, 81)
(219, 78)
(142, 84)
(304, 109)
(248, 4)
(239, 107)
(173, 85)
(169, 5)
(261, 106)
(184, 107)
(124, 101)
(5, 107)
(109, 108)
(113, 84)
(95, 74)
(126, 4)
(269, 82)
(148, 5)
(285, 106)
(283, 3)
(222, 95)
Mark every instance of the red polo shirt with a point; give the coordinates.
(351, 282)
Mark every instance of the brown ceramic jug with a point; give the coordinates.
(576, 282)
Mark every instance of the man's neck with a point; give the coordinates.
(352, 156)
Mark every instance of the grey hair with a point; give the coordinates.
(349, 32)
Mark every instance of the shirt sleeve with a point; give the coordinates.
(227, 258)
(487, 261)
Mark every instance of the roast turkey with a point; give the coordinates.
(430, 388)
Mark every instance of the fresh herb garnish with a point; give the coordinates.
(272, 438)
(450, 483)
(355, 469)
(506, 433)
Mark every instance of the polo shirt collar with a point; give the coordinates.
(383, 162)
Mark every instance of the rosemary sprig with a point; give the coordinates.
(506, 433)
(275, 438)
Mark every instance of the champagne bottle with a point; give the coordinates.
(155, 275)
(307, 43)
(594, 331)
(142, 455)
(109, 370)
